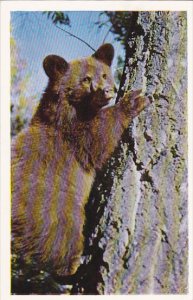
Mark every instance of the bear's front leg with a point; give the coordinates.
(107, 128)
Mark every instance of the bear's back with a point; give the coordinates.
(49, 190)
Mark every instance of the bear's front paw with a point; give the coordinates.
(135, 102)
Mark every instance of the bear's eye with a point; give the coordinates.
(105, 76)
(87, 79)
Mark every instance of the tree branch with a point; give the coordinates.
(76, 37)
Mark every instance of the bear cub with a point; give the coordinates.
(55, 159)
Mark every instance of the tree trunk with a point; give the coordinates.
(137, 235)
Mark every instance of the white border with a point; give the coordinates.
(5, 155)
(96, 5)
(6, 7)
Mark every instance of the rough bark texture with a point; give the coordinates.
(137, 239)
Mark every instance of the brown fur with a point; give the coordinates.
(55, 159)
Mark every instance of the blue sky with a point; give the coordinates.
(36, 37)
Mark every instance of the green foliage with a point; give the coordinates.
(58, 17)
(21, 104)
(123, 24)
(118, 21)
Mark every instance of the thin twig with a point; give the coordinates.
(76, 37)
(107, 34)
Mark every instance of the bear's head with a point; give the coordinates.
(86, 84)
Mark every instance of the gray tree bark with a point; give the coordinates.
(137, 235)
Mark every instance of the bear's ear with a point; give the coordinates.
(54, 66)
(105, 53)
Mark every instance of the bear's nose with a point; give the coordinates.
(106, 91)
